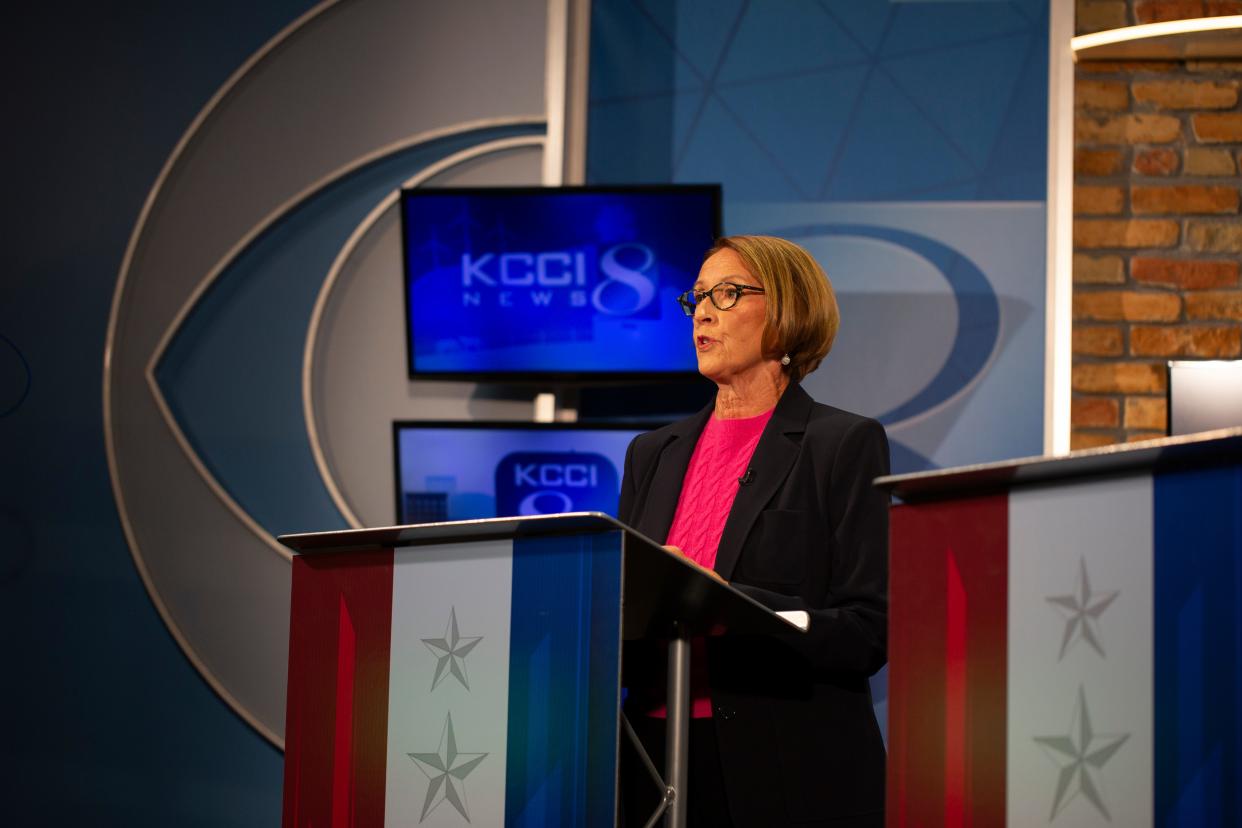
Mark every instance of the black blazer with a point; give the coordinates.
(797, 733)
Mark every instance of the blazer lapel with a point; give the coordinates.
(774, 457)
(670, 471)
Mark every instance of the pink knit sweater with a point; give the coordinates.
(721, 456)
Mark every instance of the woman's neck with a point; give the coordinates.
(752, 394)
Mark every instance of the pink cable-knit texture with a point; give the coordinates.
(722, 456)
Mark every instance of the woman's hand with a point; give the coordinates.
(713, 573)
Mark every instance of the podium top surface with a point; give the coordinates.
(1189, 451)
(665, 587)
(386, 537)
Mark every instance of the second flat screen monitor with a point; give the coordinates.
(544, 283)
(468, 470)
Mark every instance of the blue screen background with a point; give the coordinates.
(553, 282)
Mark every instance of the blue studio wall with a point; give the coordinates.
(904, 143)
(106, 722)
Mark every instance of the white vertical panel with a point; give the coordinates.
(1080, 654)
(555, 70)
(473, 583)
(1060, 261)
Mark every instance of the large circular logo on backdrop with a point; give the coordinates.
(277, 186)
(253, 370)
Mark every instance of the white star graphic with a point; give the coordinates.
(446, 770)
(451, 652)
(1082, 612)
(1078, 754)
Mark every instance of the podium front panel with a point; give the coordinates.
(461, 683)
(1067, 651)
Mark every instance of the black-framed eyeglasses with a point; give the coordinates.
(723, 296)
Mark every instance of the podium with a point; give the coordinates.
(469, 672)
(1064, 639)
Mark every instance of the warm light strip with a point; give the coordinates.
(1148, 30)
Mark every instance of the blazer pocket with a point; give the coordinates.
(775, 551)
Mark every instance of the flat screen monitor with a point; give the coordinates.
(542, 283)
(1204, 395)
(452, 470)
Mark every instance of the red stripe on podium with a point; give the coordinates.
(954, 694)
(947, 663)
(336, 716)
(342, 749)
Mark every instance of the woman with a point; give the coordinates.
(772, 492)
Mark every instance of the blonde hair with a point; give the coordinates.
(802, 315)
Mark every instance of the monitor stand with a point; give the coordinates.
(558, 406)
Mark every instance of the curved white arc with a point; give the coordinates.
(203, 286)
(305, 193)
(469, 154)
(207, 477)
(1150, 30)
(325, 291)
(118, 293)
(165, 171)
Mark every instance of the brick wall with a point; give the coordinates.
(1157, 229)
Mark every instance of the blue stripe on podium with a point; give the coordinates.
(564, 661)
(1198, 647)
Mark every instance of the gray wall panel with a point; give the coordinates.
(352, 80)
(359, 375)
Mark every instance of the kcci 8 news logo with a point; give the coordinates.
(544, 482)
(623, 281)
